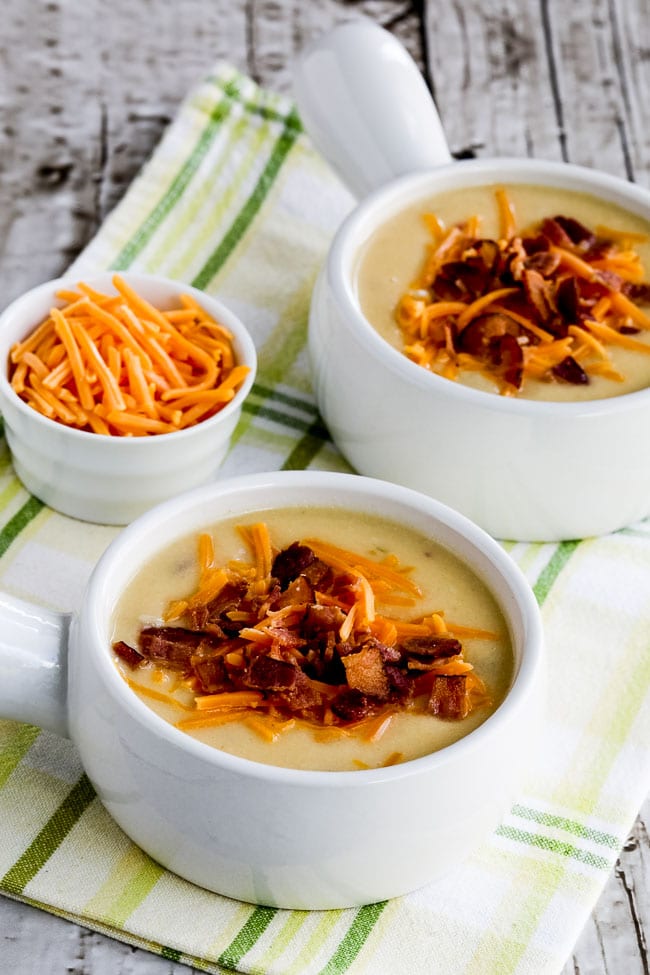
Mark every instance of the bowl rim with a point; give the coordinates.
(96, 613)
(400, 192)
(242, 340)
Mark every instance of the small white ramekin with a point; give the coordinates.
(108, 479)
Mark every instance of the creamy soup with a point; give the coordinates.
(393, 257)
(447, 586)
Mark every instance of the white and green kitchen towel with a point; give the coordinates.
(235, 201)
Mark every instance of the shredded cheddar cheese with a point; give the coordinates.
(115, 365)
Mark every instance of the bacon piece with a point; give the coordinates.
(567, 299)
(454, 281)
(579, 235)
(268, 674)
(351, 705)
(174, 645)
(508, 354)
(539, 293)
(127, 653)
(637, 292)
(321, 619)
(211, 674)
(433, 647)
(199, 618)
(545, 263)
(297, 592)
(490, 254)
(574, 298)
(390, 655)
(319, 575)
(330, 668)
(286, 638)
(401, 685)
(300, 697)
(570, 371)
(365, 672)
(555, 232)
(230, 598)
(291, 562)
(476, 338)
(494, 337)
(470, 277)
(449, 697)
(535, 245)
(445, 287)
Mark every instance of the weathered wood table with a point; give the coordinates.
(86, 89)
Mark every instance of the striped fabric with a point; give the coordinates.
(235, 201)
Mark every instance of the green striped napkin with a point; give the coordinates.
(235, 201)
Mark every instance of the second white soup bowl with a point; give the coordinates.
(522, 469)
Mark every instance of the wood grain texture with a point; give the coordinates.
(86, 89)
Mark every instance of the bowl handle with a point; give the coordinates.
(33, 664)
(366, 107)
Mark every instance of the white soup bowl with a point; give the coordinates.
(268, 835)
(521, 469)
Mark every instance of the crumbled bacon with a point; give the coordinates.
(297, 592)
(637, 292)
(548, 283)
(295, 655)
(128, 653)
(365, 672)
(577, 233)
(291, 563)
(449, 696)
(351, 705)
(268, 674)
(300, 698)
(432, 646)
(477, 338)
(216, 611)
(568, 299)
(539, 293)
(322, 619)
(545, 263)
(401, 684)
(471, 276)
(174, 645)
(553, 230)
(570, 371)
(211, 673)
(507, 354)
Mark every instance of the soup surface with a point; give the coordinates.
(447, 586)
(390, 262)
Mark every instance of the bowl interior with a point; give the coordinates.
(400, 194)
